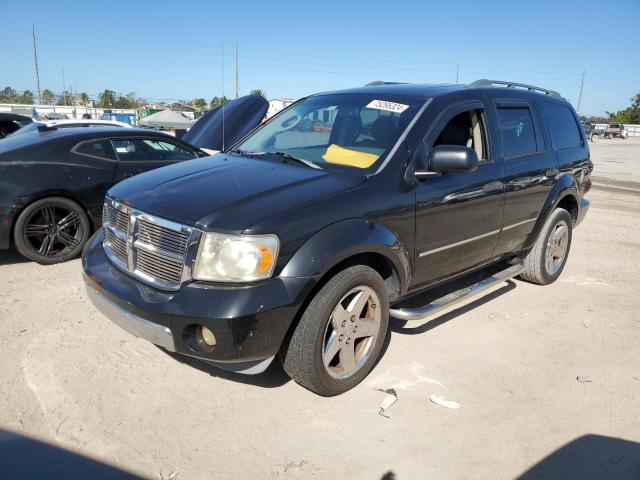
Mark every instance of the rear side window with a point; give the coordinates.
(101, 149)
(562, 125)
(517, 131)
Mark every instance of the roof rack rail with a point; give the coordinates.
(382, 82)
(484, 83)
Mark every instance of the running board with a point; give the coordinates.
(454, 298)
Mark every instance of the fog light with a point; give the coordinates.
(207, 336)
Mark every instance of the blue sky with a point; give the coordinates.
(175, 50)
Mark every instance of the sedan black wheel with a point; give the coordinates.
(51, 230)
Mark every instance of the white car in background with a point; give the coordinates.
(71, 123)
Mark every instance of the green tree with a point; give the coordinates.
(628, 115)
(26, 97)
(106, 99)
(85, 98)
(66, 98)
(47, 96)
(8, 95)
(199, 103)
(258, 92)
(217, 101)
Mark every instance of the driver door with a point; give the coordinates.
(458, 214)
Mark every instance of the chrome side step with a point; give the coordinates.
(462, 295)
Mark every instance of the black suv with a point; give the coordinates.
(302, 242)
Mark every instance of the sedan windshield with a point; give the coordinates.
(352, 130)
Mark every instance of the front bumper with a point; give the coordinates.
(249, 322)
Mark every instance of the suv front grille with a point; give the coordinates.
(157, 251)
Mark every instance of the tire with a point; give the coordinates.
(51, 230)
(594, 138)
(546, 260)
(327, 333)
(610, 136)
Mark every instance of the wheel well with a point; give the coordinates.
(570, 204)
(84, 209)
(378, 262)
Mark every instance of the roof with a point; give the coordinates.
(13, 142)
(434, 90)
(166, 119)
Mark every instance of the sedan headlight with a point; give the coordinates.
(236, 258)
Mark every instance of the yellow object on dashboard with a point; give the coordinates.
(353, 158)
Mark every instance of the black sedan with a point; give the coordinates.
(53, 181)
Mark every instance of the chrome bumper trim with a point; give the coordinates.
(152, 332)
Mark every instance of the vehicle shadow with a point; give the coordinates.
(9, 257)
(592, 457)
(401, 326)
(272, 377)
(25, 458)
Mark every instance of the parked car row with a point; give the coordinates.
(613, 130)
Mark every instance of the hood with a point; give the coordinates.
(228, 192)
(224, 126)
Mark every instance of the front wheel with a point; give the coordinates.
(546, 260)
(340, 334)
(51, 230)
(594, 138)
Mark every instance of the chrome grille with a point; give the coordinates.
(157, 251)
(117, 244)
(158, 237)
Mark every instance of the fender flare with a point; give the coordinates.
(564, 187)
(345, 239)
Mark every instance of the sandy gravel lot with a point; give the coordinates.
(72, 379)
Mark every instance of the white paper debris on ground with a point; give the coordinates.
(583, 379)
(443, 402)
(389, 400)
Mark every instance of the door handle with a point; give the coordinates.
(493, 187)
(551, 173)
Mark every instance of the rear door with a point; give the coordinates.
(137, 155)
(530, 169)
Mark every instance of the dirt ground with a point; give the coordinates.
(539, 371)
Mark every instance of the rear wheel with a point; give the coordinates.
(51, 230)
(546, 260)
(341, 333)
(594, 138)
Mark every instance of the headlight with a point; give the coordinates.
(236, 258)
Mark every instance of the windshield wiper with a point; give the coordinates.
(288, 156)
(285, 155)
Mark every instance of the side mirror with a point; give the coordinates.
(450, 158)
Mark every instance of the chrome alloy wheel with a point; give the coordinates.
(556, 250)
(351, 332)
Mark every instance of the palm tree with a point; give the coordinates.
(48, 96)
(258, 92)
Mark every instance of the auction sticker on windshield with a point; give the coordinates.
(388, 106)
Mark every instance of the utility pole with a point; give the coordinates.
(581, 87)
(457, 72)
(236, 69)
(64, 89)
(35, 58)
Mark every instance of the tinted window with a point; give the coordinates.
(100, 149)
(149, 149)
(518, 133)
(562, 125)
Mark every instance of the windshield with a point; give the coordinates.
(352, 130)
